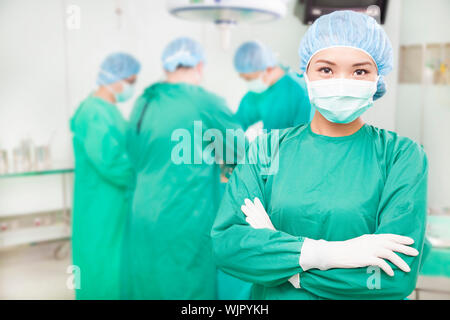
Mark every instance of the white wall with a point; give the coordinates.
(423, 111)
(383, 113)
(31, 69)
(33, 96)
(425, 21)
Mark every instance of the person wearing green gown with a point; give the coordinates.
(277, 96)
(177, 190)
(351, 226)
(103, 173)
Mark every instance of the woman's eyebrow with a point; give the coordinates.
(362, 63)
(326, 61)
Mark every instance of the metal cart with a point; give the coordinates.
(36, 227)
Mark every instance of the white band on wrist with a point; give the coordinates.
(295, 280)
(311, 254)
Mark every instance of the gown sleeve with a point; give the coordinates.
(104, 150)
(247, 113)
(402, 211)
(219, 117)
(261, 256)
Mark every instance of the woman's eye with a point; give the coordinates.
(325, 70)
(360, 72)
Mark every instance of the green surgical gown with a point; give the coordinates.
(102, 174)
(285, 104)
(372, 181)
(177, 194)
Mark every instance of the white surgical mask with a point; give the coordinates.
(341, 100)
(126, 93)
(257, 85)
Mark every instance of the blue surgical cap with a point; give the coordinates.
(349, 29)
(253, 56)
(117, 66)
(182, 52)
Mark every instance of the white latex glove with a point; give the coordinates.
(366, 250)
(256, 215)
(258, 218)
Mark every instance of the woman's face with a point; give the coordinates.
(342, 62)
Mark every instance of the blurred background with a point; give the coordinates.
(50, 52)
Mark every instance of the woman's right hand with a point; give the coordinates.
(366, 250)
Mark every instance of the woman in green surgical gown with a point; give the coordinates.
(103, 173)
(352, 225)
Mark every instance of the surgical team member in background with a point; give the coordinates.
(277, 97)
(311, 234)
(177, 191)
(102, 174)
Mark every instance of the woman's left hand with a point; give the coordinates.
(257, 216)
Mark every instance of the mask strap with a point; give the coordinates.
(109, 75)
